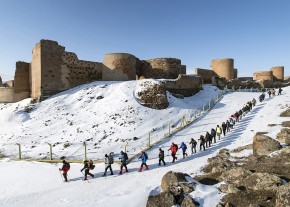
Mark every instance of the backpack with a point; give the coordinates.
(176, 147)
(125, 156)
(66, 166)
(146, 156)
(111, 159)
(91, 165)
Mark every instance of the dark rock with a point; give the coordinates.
(285, 113)
(188, 202)
(228, 188)
(100, 97)
(164, 199)
(286, 123)
(264, 145)
(235, 175)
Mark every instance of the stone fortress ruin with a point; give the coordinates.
(53, 70)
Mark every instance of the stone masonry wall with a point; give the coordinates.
(21, 78)
(263, 75)
(278, 72)
(223, 68)
(205, 74)
(6, 94)
(161, 68)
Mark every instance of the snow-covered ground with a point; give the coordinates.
(39, 184)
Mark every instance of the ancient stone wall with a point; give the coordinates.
(245, 78)
(160, 68)
(21, 78)
(119, 67)
(9, 83)
(187, 85)
(6, 94)
(35, 72)
(235, 73)
(278, 73)
(223, 68)
(263, 75)
(205, 74)
(0, 81)
(183, 69)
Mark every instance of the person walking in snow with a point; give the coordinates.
(184, 148)
(273, 91)
(279, 91)
(232, 123)
(240, 114)
(269, 93)
(65, 168)
(193, 145)
(219, 131)
(173, 149)
(254, 102)
(161, 157)
(87, 170)
(213, 134)
(123, 158)
(144, 158)
(228, 126)
(109, 160)
(202, 142)
(207, 140)
(225, 127)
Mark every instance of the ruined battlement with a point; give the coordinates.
(223, 67)
(263, 75)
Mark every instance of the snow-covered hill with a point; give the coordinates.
(104, 114)
(39, 184)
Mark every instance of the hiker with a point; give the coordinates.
(144, 158)
(65, 168)
(202, 142)
(219, 131)
(240, 114)
(254, 102)
(273, 91)
(269, 93)
(228, 126)
(173, 149)
(279, 91)
(109, 160)
(161, 157)
(250, 105)
(87, 169)
(213, 134)
(224, 126)
(232, 123)
(193, 145)
(183, 147)
(123, 158)
(207, 140)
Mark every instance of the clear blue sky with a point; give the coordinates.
(256, 33)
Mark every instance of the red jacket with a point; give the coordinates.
(173, 149)
(65, 168)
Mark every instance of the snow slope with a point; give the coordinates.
(104, 114)
(39, 184)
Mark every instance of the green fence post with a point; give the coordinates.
(125, 148)
(149, 140)
(85, 148)
(19, 151)
(50, 151)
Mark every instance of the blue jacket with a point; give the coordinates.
(183, 146)
(143, 157)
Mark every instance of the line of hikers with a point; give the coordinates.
(205, 142)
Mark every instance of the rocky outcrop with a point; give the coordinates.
(218, 82)
(262, 181)
(235, 175)
(285, 113)
(286, 124)
(228, 188)
(284, 136)
(264, 145)
(153, 95)
(165, 198)
(187, 202)
(283, 196)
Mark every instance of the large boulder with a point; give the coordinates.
(286, 124)
(152, 94)
(235, 175)
(262, 181)
(219, 163)
(165, 199)
(171, 181)
(228, 188)
(285, 113)
(284, 136)
(187, 202)
(283, 196)
(264, 145)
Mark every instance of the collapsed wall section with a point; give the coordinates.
(223, 68)
(6, 94)
(205, 74)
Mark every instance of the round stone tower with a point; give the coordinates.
(119, 67)
(223, 67)
(278, 73)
